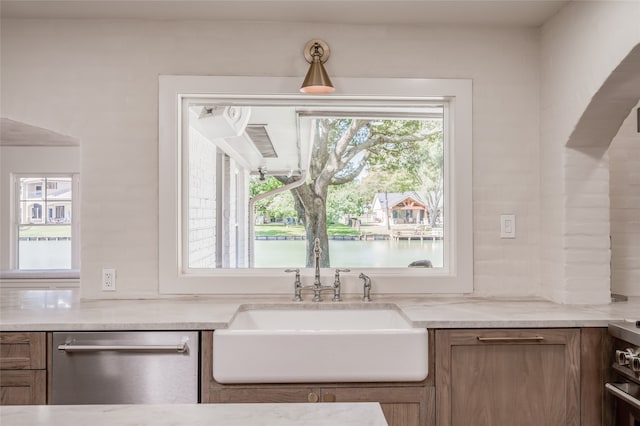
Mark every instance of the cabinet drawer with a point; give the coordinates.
(22, 351)
(23, 387)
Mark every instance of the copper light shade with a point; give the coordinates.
(317, 81)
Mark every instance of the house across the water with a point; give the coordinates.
(402, 207)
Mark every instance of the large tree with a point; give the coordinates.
(340, 150)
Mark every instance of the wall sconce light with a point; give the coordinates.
(317, 81)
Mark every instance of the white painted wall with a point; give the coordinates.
(624, 163)
(98, 81)
(580, 47)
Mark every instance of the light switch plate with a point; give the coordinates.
(507, 226)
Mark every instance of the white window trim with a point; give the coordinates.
(458, 96)
(69, 277)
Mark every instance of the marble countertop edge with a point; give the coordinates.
(316, 414)
(51, 310)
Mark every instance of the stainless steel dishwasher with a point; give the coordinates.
(139, 367)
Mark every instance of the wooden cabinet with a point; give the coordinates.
(596, 357)
(23, 368)
(23, 387)
(500, 377)
(403, 404)
(406, 405)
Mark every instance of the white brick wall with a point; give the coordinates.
(586, 238)
(624, 160)
(580, 47)
(202, 201)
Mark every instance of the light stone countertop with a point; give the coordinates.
(333, 414)
(49, 310)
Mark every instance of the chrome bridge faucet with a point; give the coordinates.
(317, 286)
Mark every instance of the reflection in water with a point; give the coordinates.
(352, 254)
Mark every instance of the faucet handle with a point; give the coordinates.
(297, 285)
(297, 271)
(337, 277)
(336, 284)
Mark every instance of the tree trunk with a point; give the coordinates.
(312, 207)
(316, 227)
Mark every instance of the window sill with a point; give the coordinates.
(40, 279)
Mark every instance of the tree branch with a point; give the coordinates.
(378, 139)
(351, 175)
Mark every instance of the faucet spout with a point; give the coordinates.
(317, 286)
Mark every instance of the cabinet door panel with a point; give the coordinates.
(398, 414)
(402, 406)
(22, 351)
(497, 384)
(492, 377)
(23, 387)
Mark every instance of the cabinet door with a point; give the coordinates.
(22, 351)
(501, 377)
(402, 406)
(23, 387)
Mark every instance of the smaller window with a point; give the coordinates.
(36, 211)
(45, 241)
(59, 212)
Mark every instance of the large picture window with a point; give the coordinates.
(382, 182)
(372, 191)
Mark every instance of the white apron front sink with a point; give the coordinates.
(325, 343)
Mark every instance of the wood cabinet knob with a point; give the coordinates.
(313, 397)
(329, 397)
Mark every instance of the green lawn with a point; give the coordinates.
(45, 231)
(279, 229)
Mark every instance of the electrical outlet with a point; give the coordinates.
(108, 279)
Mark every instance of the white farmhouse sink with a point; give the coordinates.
(328, 343)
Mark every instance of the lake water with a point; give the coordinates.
(350, 254)
(274, 253)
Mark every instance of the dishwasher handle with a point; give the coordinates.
(71, 347)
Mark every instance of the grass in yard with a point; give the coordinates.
(279, 229)
(340, 229)
(45, 231)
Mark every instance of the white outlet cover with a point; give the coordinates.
(108, 279)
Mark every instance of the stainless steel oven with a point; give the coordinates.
(626, 371)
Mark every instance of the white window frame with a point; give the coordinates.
(456, 94)
(72, 272)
